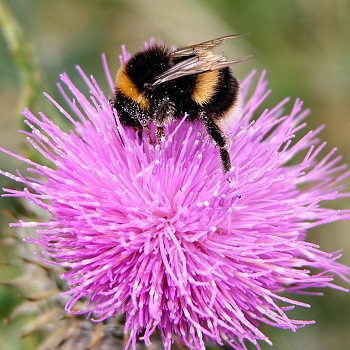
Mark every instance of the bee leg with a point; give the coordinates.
(164, 112)
(225, 160)
(219, 138)
(148, 132)
(160, 134)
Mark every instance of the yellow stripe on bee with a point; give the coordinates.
(127, 87)
(205, 87)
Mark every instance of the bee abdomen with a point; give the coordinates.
(205, 87)
(225, 96)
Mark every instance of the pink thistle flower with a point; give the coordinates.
(160, 234)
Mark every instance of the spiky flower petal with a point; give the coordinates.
(158, 233)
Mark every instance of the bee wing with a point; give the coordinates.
(203, 61)
(205, 46)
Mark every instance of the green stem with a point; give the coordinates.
(21, 50)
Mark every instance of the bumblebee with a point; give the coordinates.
(160, 85)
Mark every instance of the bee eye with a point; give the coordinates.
(148, 86)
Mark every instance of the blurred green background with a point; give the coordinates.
(303, 44)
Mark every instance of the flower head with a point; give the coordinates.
(160, 234)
